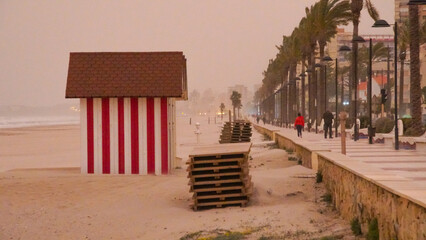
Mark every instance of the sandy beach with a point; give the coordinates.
(44, 196)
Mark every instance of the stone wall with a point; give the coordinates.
(264, 131)
(356, 197)
(284, 142)
(305, 155)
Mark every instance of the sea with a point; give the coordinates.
(30, 121)
(24, 116)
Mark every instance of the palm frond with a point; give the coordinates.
(372, 10)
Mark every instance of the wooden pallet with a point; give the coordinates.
(219, 175)
(201, 206)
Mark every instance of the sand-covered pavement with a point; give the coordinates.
(52, 200)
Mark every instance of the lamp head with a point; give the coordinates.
(297, 78)
(358, 39)
(317, 65)
(416, 2)
(327, 59)
(381, 23)
(302, 74)
(344, 48)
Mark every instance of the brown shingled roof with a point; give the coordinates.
(127, 74)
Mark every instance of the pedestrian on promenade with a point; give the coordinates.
(328, 121)
(257, 119)
(264, 120)
(299, 124)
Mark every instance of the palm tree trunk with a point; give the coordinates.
(313, 97)
(233, 112)
(415, 89)
(388, 86)
(291, 92)
(285, 101)
(303, 88)
(356, 7)
(284, 95)
(342, 93)
(321, 102)
(401, 89)
(295, 93)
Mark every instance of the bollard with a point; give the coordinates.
(209, 120)
(343, 117)
(189, 121)
(197, 131)
(230, 117)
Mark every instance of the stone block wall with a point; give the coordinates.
(356, 197)
(305, 155)
(264, 131)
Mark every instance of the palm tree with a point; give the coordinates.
(222, 108)
(380, 51)
(415, 89)
(356, 7)
(403, 41)
(236, 101)
(309, 44)
(328, 15)
(295, 57)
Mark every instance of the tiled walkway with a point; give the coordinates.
(402, 172)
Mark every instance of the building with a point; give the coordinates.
(402, 15)
(379, 82)
(127, 103)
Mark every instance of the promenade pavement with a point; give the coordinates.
(402, 172)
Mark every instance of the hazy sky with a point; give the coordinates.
(226, 42)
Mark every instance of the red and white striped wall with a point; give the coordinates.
(127, 135)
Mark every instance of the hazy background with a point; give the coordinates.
(226, 42)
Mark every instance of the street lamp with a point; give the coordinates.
(303, 75)
(316, 65)
(356, 39)
(416, 2)
(296, 98)
(309, 71)
(369, 87)
(383, 23)
(326, 59)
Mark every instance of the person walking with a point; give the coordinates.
(257, 119)
(328, 121)
(299, 124)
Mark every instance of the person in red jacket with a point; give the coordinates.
(299, 124)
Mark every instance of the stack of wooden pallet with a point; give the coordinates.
(219, 175)
(236, 132)
(225, 136)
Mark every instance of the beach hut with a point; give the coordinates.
(127, 109)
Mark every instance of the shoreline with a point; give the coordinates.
(29, 127)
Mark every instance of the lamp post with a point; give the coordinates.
(383, 23)
(316, 65)
(297, 91)
(326, 59)
(356, 39)
(359, 39)
(303, 75)
(309, 71)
